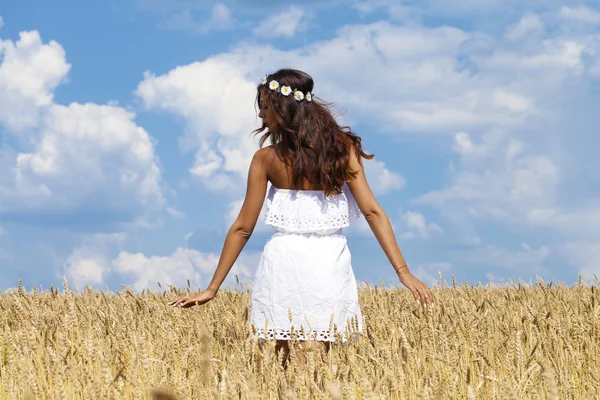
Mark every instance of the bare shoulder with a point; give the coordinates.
(355, 162)
(263, 156)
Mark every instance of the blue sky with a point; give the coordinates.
(125, 125)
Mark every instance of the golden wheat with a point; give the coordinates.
(518, 341)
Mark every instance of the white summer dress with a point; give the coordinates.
(304, 278)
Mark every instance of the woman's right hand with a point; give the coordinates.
(419, 290)
(195, 300)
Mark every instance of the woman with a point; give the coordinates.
(304, 287)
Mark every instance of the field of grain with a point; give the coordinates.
(477, 342)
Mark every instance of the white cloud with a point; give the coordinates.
(417, 226)
(555, 59)
(381, 179)
(216, 101)
(72, 162)
(89, 264)
(86, 155)
(496, 180)
(92, 264)
(83, 271)
(175, 269)
(580, 14)
(284, 24)
(29, 73)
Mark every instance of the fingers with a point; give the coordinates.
(415, 294)
(188, 303)
(179, 301)
(427, 296)
(183, 302)
(423, 295)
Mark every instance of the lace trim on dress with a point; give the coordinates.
(323, 335)
(293, 211)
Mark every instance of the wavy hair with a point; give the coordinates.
(307, 138)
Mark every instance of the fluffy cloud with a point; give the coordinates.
(215, 99)
(496, 179)
(145, 272)
(86, 156)
(381, 179)
(285, 24)
(88, 264)
(176, 268)
(29, 73)
(85, 162)
(417, 226)
(432, 92)
(92, 264)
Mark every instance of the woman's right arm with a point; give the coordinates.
(382, 229)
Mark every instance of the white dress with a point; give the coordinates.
(305, 278)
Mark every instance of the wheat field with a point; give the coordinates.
(516, 341)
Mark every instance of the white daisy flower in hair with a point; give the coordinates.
(286, 90)
(273, 85)
(264, 82)
(299, 95)
(308, 97)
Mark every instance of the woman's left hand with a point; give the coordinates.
(419, 290)
(195, 300)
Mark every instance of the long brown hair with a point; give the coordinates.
(307, 138)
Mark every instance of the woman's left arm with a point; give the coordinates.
(241, 229)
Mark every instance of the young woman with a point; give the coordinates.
(318, 187)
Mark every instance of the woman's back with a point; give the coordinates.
(280, 174)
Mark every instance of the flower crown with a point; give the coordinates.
(286, 90)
